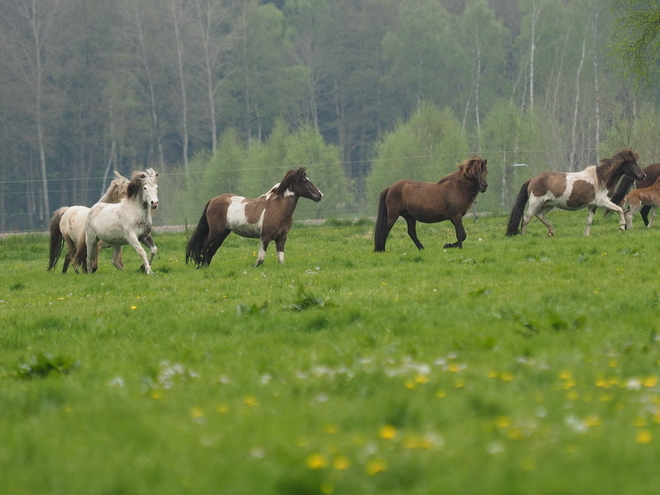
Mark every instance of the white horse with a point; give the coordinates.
(121, 223)
(67, 226)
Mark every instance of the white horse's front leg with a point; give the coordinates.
(133, 241)
(92, 253)
(263, 245)
(611, 206)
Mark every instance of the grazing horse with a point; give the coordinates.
(652, 173)
(268, 217)
(647, 196)
(120, 223)
(68, 224)
(431, 202)
(590, 188)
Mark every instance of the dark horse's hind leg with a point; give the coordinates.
(461, 235)
(212, 244)
(645, 214)
(412, 229)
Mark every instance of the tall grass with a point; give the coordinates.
(515, 365)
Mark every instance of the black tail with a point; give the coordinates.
(622, 189)
(80, 259)
(515, 218)
(56, 237)
(194, 247)
(380, 231)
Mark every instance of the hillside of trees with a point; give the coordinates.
(226, 95)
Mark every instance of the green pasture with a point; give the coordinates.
(526, 365)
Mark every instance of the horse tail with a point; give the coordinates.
(380, 230)
(80, 259)
(56, 237)
(620, 192)
(194, 247)
(515, 218)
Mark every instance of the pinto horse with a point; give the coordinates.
(652, 173)
(431, 202)
(268, 217)
(590, 188)
(647, 196)
(120, 223)
(68, 224)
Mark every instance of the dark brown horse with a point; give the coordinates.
(652, 173)
(590, 188)
(427, 202)
(268, 217)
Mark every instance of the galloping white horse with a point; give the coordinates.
(121, 223)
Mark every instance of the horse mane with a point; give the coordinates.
(467, 170)
(292, 176)
(137, 179)
(607, 165)
(116, 190)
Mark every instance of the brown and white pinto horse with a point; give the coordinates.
(647, 196)
(268, 217)
(590, 188)
(431, 202)
(652, 173)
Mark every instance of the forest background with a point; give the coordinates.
(226, 95)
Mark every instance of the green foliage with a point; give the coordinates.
(426, 148)
(44, 364)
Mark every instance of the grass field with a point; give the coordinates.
(525, 365)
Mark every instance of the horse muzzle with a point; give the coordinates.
(483, 187)
(154, 205)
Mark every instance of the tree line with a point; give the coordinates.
(226, 95)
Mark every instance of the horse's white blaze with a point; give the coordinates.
(237, 220)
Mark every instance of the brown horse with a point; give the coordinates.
(647, 196)
(268, 217)
(590, 188)
(427, 202)
(652, 173)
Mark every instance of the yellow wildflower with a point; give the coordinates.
(316, 461)
(387, 432)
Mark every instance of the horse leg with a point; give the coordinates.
(262, 252)
(534, 206)
(279, 244)
(148, 241)
(116, 258)
(628, 215)
(92, 253)
(541, 216)
(653, 211)
(461, 235)
(610, 206)
(645, 214)
(412, 229)
(134, 241)
(211, 245)
(70, 253)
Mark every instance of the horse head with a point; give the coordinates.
(475, 169)
(144, 185)
(628, 158)
(298, 183)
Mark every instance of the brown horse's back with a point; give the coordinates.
(428, 202)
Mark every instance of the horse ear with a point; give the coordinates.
(486, 161)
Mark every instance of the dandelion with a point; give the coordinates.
(506, 376)
(411, 442)
(650, 381)
(411, 385)
(459, 383)
(593, 420)
(156, 394)
(492, 374)
(222, 407)
(421, 378)
(375, 466)
(316, 461)
(133, 306)
(341, 462)
(250, 401)
(644, 436)
(503, 422)
(197, 414)
(440, 394)
(387, 432)
(330, 429)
